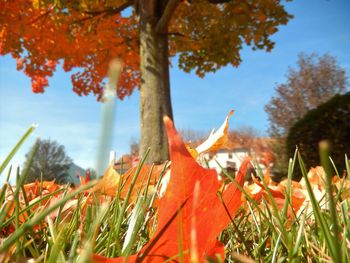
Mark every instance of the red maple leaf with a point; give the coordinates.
(189, 220)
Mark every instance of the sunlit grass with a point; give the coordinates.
(113, 227)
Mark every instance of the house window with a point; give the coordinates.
(231, 167)
(231, 164)
(230, 155)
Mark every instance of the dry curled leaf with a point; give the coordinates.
(216, 139)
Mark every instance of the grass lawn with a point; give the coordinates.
(305, 221)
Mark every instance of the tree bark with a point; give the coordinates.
(155, 99)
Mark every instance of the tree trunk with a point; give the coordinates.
(155, 99)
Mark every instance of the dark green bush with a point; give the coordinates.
(329, 121)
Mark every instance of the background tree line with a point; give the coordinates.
(315, 80)
(49, 161)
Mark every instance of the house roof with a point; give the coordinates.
(238, 149)
(74, 172)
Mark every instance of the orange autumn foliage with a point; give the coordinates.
(45, 187)
(34, 192)
(257, 190)
(52, 35)
(189, 203)
(298, 192)
(85, 35)
(111, 180)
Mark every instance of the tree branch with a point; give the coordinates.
(111, 11)
(105, 12)
(176, 34)
(43, 15)
(163, 22)
(219, 1)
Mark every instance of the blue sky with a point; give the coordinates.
(318, 26)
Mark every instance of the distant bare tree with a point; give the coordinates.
(244, 136)
(189, 136)
(315, 80)
(49, 162)
(193, 137)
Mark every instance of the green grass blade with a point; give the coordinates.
(318, 214)
(15, 149)
(327, 166)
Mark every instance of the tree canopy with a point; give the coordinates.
(329, 121)
(315, 80)
(85, 35)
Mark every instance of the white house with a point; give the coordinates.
(230, 159)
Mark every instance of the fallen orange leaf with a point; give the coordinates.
(111, 180)
(179, 210)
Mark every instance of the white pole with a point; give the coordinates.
(108, 116)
